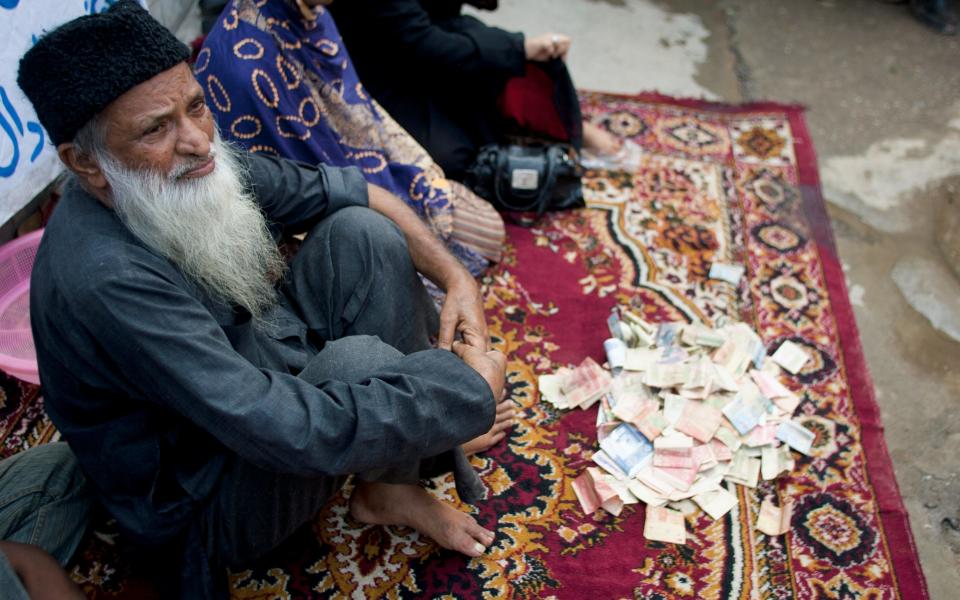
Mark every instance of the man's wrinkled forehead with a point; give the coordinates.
(157, 98)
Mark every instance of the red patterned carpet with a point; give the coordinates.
(716, 183)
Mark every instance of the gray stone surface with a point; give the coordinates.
(948, 227)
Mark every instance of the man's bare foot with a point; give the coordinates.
(599, 141)
(412, 506)
(506, 418)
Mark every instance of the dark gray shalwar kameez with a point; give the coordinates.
(204, 432)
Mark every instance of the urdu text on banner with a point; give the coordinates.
(28, 160)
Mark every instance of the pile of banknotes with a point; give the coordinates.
(684, 412)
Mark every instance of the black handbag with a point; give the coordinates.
(530, 178)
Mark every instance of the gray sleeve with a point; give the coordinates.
(297, 195)
(421, 405)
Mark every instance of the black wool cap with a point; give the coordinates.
(73, 72)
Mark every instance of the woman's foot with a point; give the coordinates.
(600, 141)
(603, 150)
(506, 418)
(412, 506)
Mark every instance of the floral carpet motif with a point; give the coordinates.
(716, 183)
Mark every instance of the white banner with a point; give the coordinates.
(28, 159)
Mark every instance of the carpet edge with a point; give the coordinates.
(894, 517)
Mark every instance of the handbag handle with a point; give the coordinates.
(539, 203)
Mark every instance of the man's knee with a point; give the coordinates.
(351, 359)
(358, 230)
(52, 468)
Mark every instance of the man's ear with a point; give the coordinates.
(83, 165)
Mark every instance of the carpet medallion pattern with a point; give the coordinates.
(715, 183)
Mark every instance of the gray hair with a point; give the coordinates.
(91, 139)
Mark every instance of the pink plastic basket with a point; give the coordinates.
(17, 354)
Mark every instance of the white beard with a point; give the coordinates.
(210, 227)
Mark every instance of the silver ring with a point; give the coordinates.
(554, 39)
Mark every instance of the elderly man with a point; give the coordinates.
(215, 399)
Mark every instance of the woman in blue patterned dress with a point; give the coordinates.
(280, 81)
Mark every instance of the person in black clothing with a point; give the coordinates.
(441, 74)
(935, 14)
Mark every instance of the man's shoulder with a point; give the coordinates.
(85, 246)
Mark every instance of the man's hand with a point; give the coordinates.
(463, 308)
(546, 46)
(41, 576)
(462, 311)
(491, 365)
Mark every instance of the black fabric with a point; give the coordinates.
(438, 75)
(76, 70)
(565, 99)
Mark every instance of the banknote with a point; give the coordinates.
(616, 351)
(744, 413)
(645, 493)
(724, 380)
(721, 451)
(616, 326)
(675, 450)
(732, 358)
(796, 436)
(679, 478)
(673, 407)
(701, 375)
(729, 438)
(608, 464)
(586, 493)
(638, 322)
(716, 503)
(700, 335)
(665, 375)
(699, 420)
(672, 355)
(774, 461)
(791, 357)
(640, 359)
(709, 479)
(704, 457)
(744, 469)
(787, 404)
(621, 488)
(747, 341)
(628, 448)
(762, 435)
(634, 408)
(652, 425)
(665, 525)
(768, 384)
(655, 480)
(667, 334)
(731, 273)
(551, 388)
(593, 492)
(586, 384)
(774, 520)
